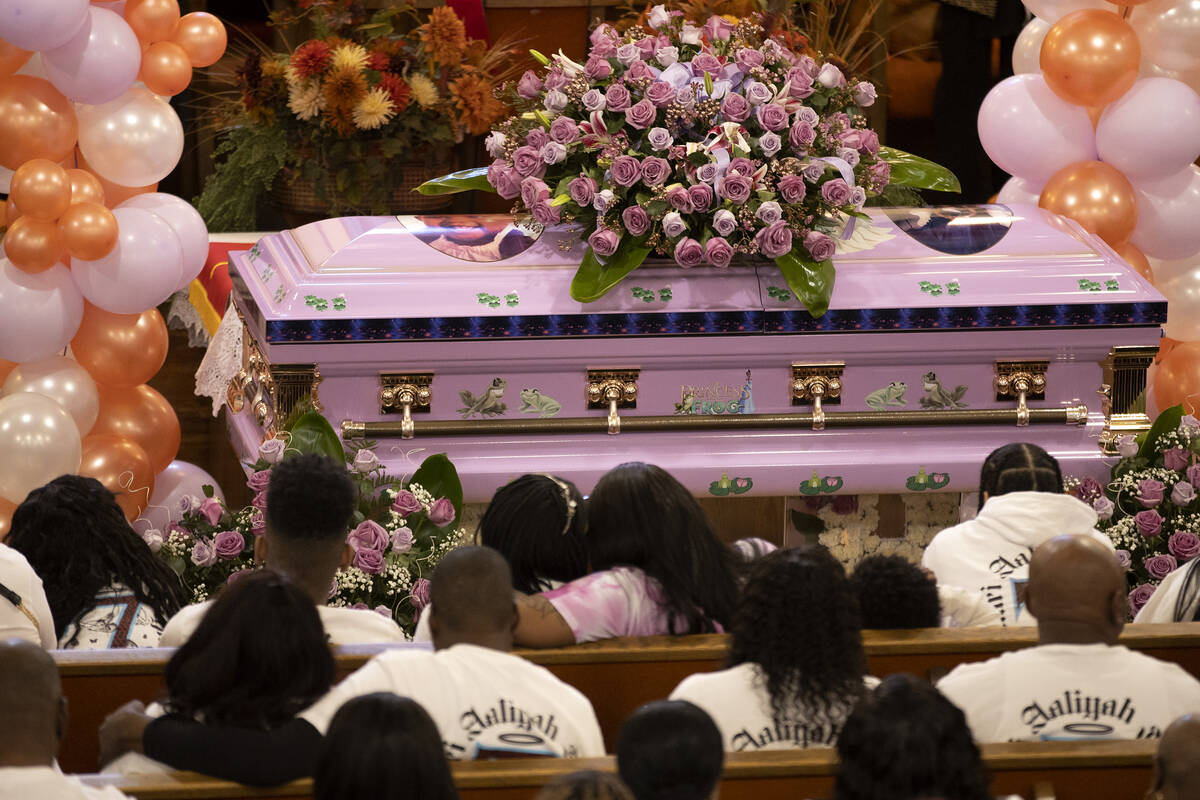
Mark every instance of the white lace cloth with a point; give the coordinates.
(222, 361)
(182, 315)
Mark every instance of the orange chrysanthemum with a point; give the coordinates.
(397, 89)
(378, 61)
(444, 36)
(311, 58)
(342, 90)
(473, 96)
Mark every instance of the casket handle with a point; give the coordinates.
(1023, 380)
(817, 383)
(615, 388)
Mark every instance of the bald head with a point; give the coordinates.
(32, 711)
(471, 596)
(1177, 765)
(1077, 591)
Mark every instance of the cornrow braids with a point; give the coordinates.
(1019, 467)
(75, 537)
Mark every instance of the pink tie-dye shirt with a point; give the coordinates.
(622, 601)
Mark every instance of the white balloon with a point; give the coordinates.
(1152, 131)
(39, 314)
(1183, 304)
(40, 24)
(1169, 33)
(1166, 270)
(180, 478)
(1168, 215)
(1027, 52)
(140, 272)
(134, 140)
(99, 62)
(39, 441)
(64, 381)
(187, 224)
(1053, 10)
(1019, 190)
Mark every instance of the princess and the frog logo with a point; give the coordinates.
(717, 398)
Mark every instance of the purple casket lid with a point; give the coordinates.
(459, 277)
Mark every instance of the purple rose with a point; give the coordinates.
(153, 539)
(616, 97)
(772, 116)
(537, 138)
(582, 190)
(736, 188)
(801, 136)
(203, 554)
(1176, 458)
(441, 513)
(659, 138)
(770, 143)
(369, 535)
(545, 213)
(625, 170)
(1160, 566)
(680, 200)
(564, 130)
(636, 220)
(660, 93)
(864, 93)
(701, 195)
(1150, 492)
(831, 77)
(628, 53)
(819, 246)
(1189, 421)
(1193, 475)
(718, 28)
(705, 62)
(1089, 489)
(1183, 493)
(813, 171)
(655, 170)
(211, 509)
(532, 190)
(869, 142)
(528, 161)
(402, 539)
(747, 58)
(1139, 597)
(370, 561)
(405, 503)
(228, 544)
(530, 85)
(734, 107)
(1127, 447)
(272, 450)
(504, 180)
(800, 83)
(724, 222)
(259, 501)
(593, 100)
(836, 192)
(792, 189)
(688, 252)
(365, 461)
(673, 225)
(741, 166)
(419, 593)
(639, 70)
(604, 242)
(641, 115)
(757, 93)
(879, 174)
(774, 240)
(189, 504)
(557, 78)
(1184, 545)
(554, 152)
(1124, 559)
(707, 173)
(259, 480)
(769, 212)
(597, 68)
(718, 252)
(1103, 507)
(1148, 523)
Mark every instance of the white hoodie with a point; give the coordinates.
(990, 554)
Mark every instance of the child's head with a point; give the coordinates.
(537, 522)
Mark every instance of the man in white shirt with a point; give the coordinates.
(24, 611)
(1077, 683)
(309, 502)
(33, 717)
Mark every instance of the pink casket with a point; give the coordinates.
(951, 331)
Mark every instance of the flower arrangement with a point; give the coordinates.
(1150, 506)
(344, 110)
(704, 144)
(401, 528)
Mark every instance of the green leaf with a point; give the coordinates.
(807, 523)
(465, 180)
(918, 173)
(1168, 420)
(593, 280)
(312, 433)
(438, 476)
(208, 490)
(812, 281)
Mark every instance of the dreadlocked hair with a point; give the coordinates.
(798, 621)
(1019, 467)
(75, 537)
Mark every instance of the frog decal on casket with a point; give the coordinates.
(534, 402)
(890, 396)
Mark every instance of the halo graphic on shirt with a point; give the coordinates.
(1088, 729)
(955, 230)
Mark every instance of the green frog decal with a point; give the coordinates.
(938, 396)
(534, 402)
(728, 486)
(890, 396)
(821, 485)
(921, 482)
(486, 404)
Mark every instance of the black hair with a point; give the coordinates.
(471, 590)
(258, 657)
(893, 592)
(527, 521)
(906, 741)
(77, 540)
(797, 620)
(670, 750)
(309, 497)
(382, 746)
(1019, 467)
(642, 517)
(585, 784)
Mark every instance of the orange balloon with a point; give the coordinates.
(11, 58)
(1090, 57)
(88, 231)
(142, 415)
(1177, 379)
(7, 507)
(1165, 345)
(42, 189)
(1096, 196)
(32, 245)
(166, 68)
(11, 212)
(152, 20)
(114, 193)
(5, 368)
(85, 187)
(202, 36)
(123, 467)
(120, 349)
(1136, 259)
(36, 121)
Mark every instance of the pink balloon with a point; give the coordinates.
(1152, 131)
(39, 314)
(41, 24)
(1053, 10)
(170, 486)
(99, 62)
(135, 140)
(187, 224)
(1168, 224)
(1019, 190)
(141, 271)
(1031, 132)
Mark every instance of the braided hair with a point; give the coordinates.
(75, 537)
(1019, 467)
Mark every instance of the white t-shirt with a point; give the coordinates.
(1161, 605)
(737, 700)
(48, 783)
(990, 554)
(117, 620)
(481, 700)
(1071, 691)
(962, 608)
(342, 625)
(18, 576)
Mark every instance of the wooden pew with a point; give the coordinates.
(1075, 771)
(617, 675)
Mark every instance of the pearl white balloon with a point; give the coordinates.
(1166, 270)
(1027, 52)
(64, 381)
(1168, 221)
(1169, 33)
(140, 272)
(187, 224)
(1183, 304)
(135, 140)
(39, 314)
(39, 441)
(1019, 190)
(1053, 10)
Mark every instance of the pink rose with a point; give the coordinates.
(203, 554)
(272, 450)
(505, 180)
(864, 93)
(616, 97)
(405, 503)
(660, 93)
(1176, 458)
(800, 83)
(537, 138)
(419, 593)
(1160, 566)
(211, 509)
(734, 107)
(1148, 523)
(705, 62)
(582, 190)
(1124, 559)
(368, 535)
(774, 240)
(641, 115)
(402, 539)
(801, 136)
(747, 58)
(836, 192)
(441, 513)
(370, 561)
(556, 78)
(772, 116)
(625, 170)
(1193, 475)
(680, 200)
(819, 246)
(259, 502)
(1139, 597)
(880, 174)
(701, 196)
(655, 170)
(1150, 492)
(741, 166)
(792, 189)
(604, 242)
(259, 480)
(718, 28)
(533, 189)
(529, 85)
(688, 252)
(639, 70)
(736, 188)
(545, 213)
(528, 161)
(636, 220)
(1184, 545)
(564, 130)
(597, 68)
(228, 544)
(1183, 493)
(1089, 489)
(718, 252)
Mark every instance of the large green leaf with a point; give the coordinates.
(1168, 420)
(438, 476)
(593, 280)
(918, 173)
(465, 180)
(812, 281)
(312, 433)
